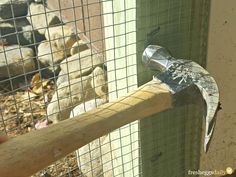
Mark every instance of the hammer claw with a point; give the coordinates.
(179, 74)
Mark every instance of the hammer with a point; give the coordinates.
(180, 82)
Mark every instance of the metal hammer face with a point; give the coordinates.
(179, 74)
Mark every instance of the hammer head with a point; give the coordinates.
(179, 74)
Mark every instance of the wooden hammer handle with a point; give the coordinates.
(26, 154)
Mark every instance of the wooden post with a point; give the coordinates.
(176, 135)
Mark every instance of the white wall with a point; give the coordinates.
(120, 34)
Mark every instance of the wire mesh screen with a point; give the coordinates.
(175, 134)
(61, 58)
(57, 61)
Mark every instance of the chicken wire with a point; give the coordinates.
(36, 85)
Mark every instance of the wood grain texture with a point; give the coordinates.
(29, 153)
(183, 31)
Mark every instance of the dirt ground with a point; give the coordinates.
(221, 63)
(20, 113)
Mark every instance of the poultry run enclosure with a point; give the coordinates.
(61, 58)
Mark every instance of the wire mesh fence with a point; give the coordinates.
(59, 59)
(54, 66)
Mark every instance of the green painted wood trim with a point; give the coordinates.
(171, 141)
